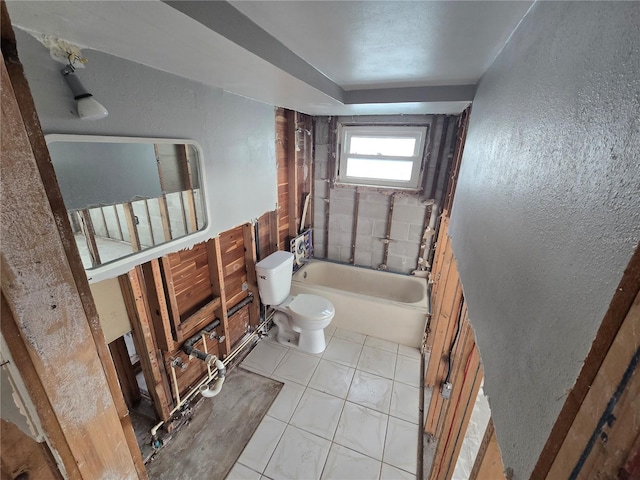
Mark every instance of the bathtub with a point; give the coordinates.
(381, 304)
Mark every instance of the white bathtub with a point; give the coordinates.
(381, 304)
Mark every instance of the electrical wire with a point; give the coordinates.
(453, 342)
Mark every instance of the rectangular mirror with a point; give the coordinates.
(126, 195)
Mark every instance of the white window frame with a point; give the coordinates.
(388, 131)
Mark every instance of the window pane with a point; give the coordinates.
(379, 169)
(393, 147)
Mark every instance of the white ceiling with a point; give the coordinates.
(317, 57)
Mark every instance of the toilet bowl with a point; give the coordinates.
(301, 320)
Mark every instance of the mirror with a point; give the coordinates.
(126, 195)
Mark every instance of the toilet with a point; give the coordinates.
(301, 319)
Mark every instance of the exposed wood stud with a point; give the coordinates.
(488, 463)
(164, 217)
(248, 233)
(387, 236)
(216, 275)
(117, 215)
(132, 227)
(126, 375)
(292, 159)
(158, 305)
(188, 184)
(135, 299)
(89, 233)
(354, 233)
(146, 208)
(104, 222)
(440, 158)
(174, 309)
(56, 253)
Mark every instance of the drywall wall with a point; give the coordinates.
(547, 209)
(236, 134)
(410, 209)
(111, 309)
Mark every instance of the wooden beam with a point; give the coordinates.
(217, 286)
(164, 217)
(90, 236)
(146, 208)
(46, 290)
(171, 298)
(488, 463)
(135, 300)
(158, 305)
(354, 233)
(188, 184)
(132, 226)
(117, 215)
(126, 375)
(292, 159)
(387, 236)
(248, 234)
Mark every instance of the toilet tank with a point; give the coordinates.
(274, 277)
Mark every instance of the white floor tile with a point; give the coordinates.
(240, 472)
(401, 445)
(350, 336)
(392, 473)
(362, 429)
(298, 455)
(404, 402)
(318, 413)
(371, 391)
(409, 352)
(381, 344)
(343, 352)
(376, 361)
(286, 401)
(297, 367)
(265, 357)
(259, 449)
(343, 463)
(332, 378)
(408, 371)
(330, 330)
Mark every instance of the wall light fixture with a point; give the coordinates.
(88, 108)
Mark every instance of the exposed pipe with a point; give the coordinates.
(239, 305)
(196, 389)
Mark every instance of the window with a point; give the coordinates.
(382, 156)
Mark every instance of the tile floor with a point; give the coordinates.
(348, 413)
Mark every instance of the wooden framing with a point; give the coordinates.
(217, 286)
(354, 233)
(132, 228)
(158, 305)
(387, 236)
(188, 187)
(126, 375)
(90, 236)
(488, 464)
(292, 160)
(248, 233)
(282, 160)
(136, 302)
(164, 216)
(45, 283)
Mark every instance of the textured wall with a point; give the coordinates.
(236, 134)
(547, 209)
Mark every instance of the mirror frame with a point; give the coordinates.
(125, 264)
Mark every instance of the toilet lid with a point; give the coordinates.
(311, 306)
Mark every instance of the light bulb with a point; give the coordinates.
(90, 109)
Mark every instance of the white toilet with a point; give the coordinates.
(301, 319)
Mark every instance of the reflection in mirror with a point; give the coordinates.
(124, 195)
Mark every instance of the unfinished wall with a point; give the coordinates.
(236, 134)
(547, 211)
(411, 211)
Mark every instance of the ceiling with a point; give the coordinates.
(317, 57)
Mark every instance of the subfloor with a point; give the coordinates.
(220, 427)
(348, 413)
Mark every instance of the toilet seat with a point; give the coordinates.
(311, 307)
